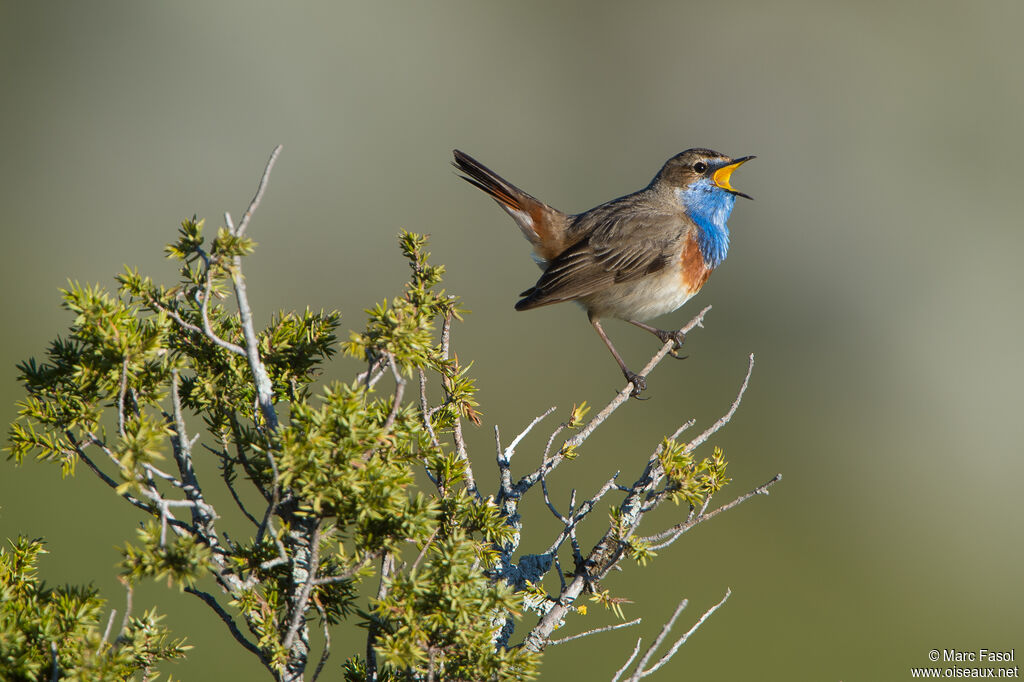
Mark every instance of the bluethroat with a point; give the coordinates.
(635, 257)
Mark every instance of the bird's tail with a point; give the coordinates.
(543, 225)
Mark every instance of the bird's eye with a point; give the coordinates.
(700, 167)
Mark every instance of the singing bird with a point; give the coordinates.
(636, 257)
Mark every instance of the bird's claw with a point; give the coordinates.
(676, 337)
(639, 384)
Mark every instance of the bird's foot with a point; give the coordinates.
(639, 384)
(677, 337)
(583, 568)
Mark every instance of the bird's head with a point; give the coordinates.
(697, 180)
(701, 169)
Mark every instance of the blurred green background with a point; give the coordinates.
(876, 277)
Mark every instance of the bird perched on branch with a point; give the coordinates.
(635, 257)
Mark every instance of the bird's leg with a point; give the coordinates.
(665, 335)
(639, 381)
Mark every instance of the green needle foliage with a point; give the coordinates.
(338, 479)
(173, 400)
(61, 631)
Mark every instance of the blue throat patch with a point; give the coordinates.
(709, 206)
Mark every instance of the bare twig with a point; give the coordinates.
(543, 468)
(670, 535)
(551, 440)
(547, 501)
(264, 389)
(228, 462)
(511, 449)
(55, 666)
(432, 665)
(106, 630)
(327, 639)
(387, 565)
(425, 412)
(665, 629)
(120, 397)
(152, 471)
(150, 509)
(254, 204)
(347, 574)
(640, 672)
(399, 393)
(396, 404)
(164, 512)
(632, 657)
(697, 513)
(150, 494)
(423, 552)
(299, 608)
(79, 450)
(93, 439)
(239, 439)
(204, 311)
(212, 602)
(203, 515)
(275, 500)
(129, 592)
(678, 432)
(558, 569)
(616, 626)
(581, 513)
(724, 419)
(373, 374)
(504, 472)
(655, 499)
(577, 555)
(174, 315)
(457, 435)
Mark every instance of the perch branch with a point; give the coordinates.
(529, 480)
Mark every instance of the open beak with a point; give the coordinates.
(721, 176)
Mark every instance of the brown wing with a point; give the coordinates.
(624, 245)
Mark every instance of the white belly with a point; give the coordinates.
(640, 300)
